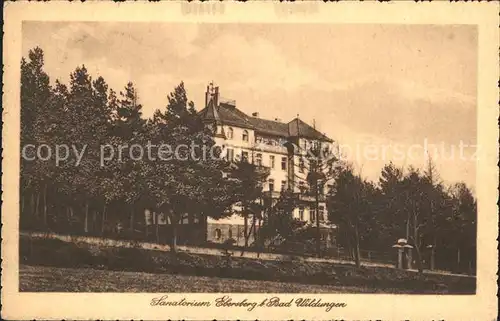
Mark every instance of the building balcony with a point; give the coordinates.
(278, 149)
(309, 198)
(299, 196)
(271, 194)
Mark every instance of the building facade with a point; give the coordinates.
(280, 146)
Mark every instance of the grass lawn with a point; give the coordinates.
(57, 266)
(52, 279)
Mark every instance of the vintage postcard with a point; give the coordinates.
(260, 160)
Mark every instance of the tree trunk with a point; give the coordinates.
(37, 204)
(103, 219)
(318, 233)
(433, 258)
(173, 243)
(157, 227)
(146, 226)
(32, 204)
(416, 240)
(408, 227)
(260, 239)
(94, 221)
(248, 232)
(204, 222)
(45, 205)
(348, 239)
(419, 260)
(86, 220)
(246, 229)
(254, 224)
(22, 203)
(433, 252)
(357, 252)
(132, 217)
(458, 258)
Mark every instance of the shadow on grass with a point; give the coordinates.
(56, 253)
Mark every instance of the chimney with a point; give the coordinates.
(207, 96)
(255, 114)
(212, 93)
(216, 96)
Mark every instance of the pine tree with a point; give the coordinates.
(188, 184)
(35, 97)
(250, 180)
(351, 206)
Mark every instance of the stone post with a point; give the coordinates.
(409, 258)
(400, 253)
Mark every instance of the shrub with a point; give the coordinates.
(53, 252)
(130, 259)
(72, 255)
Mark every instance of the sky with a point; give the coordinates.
(382, 92)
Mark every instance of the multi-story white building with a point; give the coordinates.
(281, 146)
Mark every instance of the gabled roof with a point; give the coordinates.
(232, 116)
(210, 113)
(298, 128)
(270, 127)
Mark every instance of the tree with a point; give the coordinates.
(280, 229)
(127, 112)
(188, 184)
(428, 206)
(322, 170)
(438, 205)
(417, 192)
(88, 127)
(351, 205)
(392, 219)
(129, 130)
(462, 233)
(249, 179)
(35, 98)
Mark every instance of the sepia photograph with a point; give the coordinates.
(234, 158)
(262, 158)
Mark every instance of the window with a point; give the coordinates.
(230, 233)
(283, 185)
(244, 156)
(301, 213)
(258, 159)
(313, 214)
(271, 185)
(312, 165)
(283, 163)
(245, 136)
(271, 161)
(302, 188)
(217, 234)
(321, 188)
(301, 165)
(230, 154)
(321, 213)
(230, 133)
